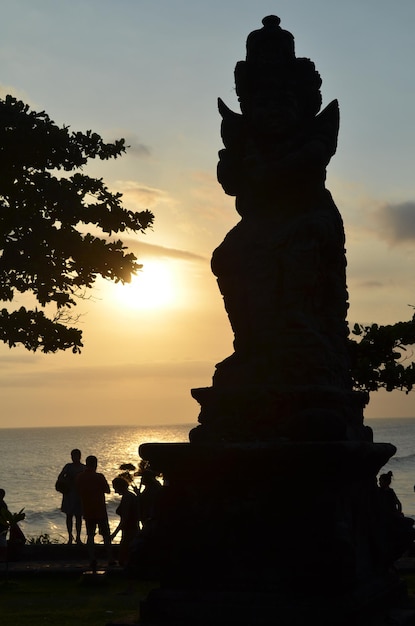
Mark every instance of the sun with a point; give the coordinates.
(153, 287)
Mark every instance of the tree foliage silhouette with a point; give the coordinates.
(380, 356)
(48, 208)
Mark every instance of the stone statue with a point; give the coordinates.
(271, 511)
(281, 270)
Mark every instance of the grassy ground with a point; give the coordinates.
(69, 600)
(73, 600)
(410, 583)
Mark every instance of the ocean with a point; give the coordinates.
(31, 459)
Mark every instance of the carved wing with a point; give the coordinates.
(327, 125)
(232, 127)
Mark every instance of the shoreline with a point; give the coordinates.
(64, 557)
(53, 556)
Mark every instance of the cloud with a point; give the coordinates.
(371, 284)
(8, 359)
(135, 147)
(152, 251)
(397, 222)
(107, 374)
(209, 199)
(367, 216)
(141, 195)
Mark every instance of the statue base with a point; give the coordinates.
(285, 530)
(368, 608)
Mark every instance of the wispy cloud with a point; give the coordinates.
(135, 147)
(397, 222)
(367, 216)
(107, 374)
(208, 198)
(370, 284)
(153, 251)
(141, 195)
(11, 357)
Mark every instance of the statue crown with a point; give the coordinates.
(271, 66)
(270, 44)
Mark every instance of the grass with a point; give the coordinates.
(409, 579)
(72, 600)
(69, 600)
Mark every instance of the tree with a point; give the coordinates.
(48, 207)
(378, 356)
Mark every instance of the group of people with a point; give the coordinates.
(84, 490)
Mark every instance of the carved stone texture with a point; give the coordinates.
(281, 270)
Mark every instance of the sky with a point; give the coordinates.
(151, 71)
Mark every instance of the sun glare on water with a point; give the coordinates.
(152, 288)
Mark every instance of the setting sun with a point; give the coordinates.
(152, 288)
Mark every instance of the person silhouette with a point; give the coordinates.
(389, 501)
(146, 551)
(397, 531)
(4, 527)
(71, 503)
(92, 487)
(149, 499)
(128, 510)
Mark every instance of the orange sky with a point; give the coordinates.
(151, 72)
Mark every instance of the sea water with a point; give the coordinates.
(400, 432)
(31, 459)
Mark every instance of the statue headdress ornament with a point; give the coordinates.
(270, 44)
(271, 65)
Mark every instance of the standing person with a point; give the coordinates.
(92, 487)
(149, 500)
(4, 526)
(129, 516)
(3, 506)
(145, 557)
(71, 503)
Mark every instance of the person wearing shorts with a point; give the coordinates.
(92, 487)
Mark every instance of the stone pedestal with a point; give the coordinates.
(288, 531)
